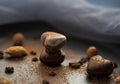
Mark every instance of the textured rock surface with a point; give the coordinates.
(99, 66)
(53, 39)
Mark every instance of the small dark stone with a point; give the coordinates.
(9, 70)
(52, 74)
(33, 53)
(115, 64)
(75, 65)
(35, 59)
(45, 82)
(52, 59)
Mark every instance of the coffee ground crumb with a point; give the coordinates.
(33, 53)
(9, 70)
(52, 74)
(45, 82)
(83, 60)
(34, 59)
(75, 65)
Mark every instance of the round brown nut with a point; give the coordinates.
(92, 51)
(18, 37)
(4, 81)
(16, 51)
(117, 80)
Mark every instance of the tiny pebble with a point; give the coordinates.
(33, 53)
(9, 70)
(52, 74)
(75, 65)
(45, 82)
(34, 59)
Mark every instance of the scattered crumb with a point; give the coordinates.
(34, 59)
(45, 82)
(52, 74)
(33, 53)
(83, 60)
(9, 70)
(75, 65)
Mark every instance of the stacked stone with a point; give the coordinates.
(52, 54)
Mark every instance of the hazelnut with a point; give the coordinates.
(92, 51)
(18, 37)
(4, 81)
(117, 80)
(16, 51)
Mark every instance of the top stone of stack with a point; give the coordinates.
(53, 39)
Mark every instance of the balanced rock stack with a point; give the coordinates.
(52, 55)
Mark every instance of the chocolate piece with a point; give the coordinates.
(52, 59)
(45, 82)
(33, 53)
(92, 51)
(52, 74)
(98, 66)
(75, 65)
(4, 81)
(9, 70)
(52, 54)
(34, 59)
